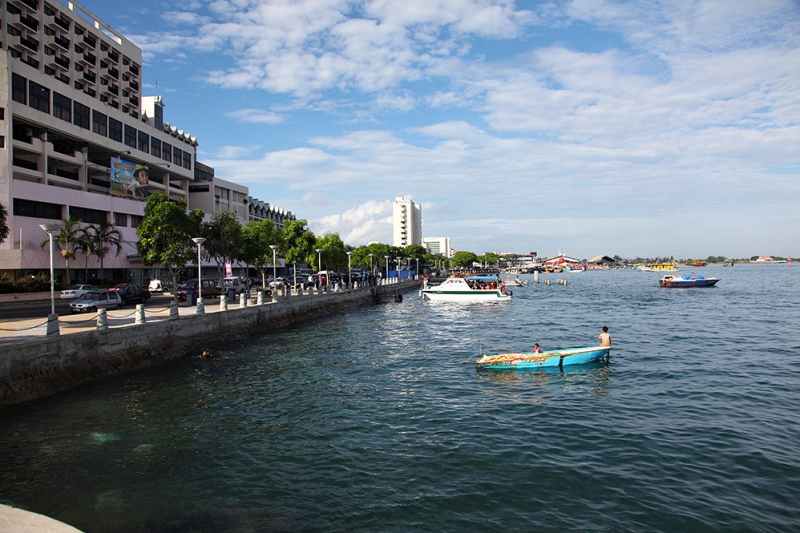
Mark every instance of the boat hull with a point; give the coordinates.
(463, 296)
(553, 358)
(687, 282)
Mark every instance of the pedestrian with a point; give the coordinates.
(536, 348)
(605, 337)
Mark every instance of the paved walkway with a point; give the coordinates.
(13, 520)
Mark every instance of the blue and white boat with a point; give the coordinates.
(685, 282)
(552, 358)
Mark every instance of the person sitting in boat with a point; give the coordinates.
(605, 337)
(536, 348)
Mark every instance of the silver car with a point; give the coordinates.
(94, 300)
(76, 292)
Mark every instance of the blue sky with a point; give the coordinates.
(589, 126)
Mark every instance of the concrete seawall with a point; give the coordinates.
(41, 368)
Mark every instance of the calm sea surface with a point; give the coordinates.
(377, 420)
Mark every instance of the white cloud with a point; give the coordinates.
(258, 116)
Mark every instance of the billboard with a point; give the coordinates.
(129, 180)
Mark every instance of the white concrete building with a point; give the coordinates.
(437, 245)
(407, 221)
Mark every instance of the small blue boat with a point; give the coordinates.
(673, 281)
(552, 358)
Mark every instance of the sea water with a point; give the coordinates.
(378, 420)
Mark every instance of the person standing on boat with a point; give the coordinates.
(605, 337)
(536, 348)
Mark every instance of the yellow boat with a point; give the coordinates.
(659, 267)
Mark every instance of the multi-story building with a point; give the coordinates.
(437, 245)
(259, 210)
(76, 134)
(407, 221)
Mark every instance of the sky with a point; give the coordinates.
(591, 127)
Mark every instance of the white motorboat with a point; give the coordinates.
(469, 289)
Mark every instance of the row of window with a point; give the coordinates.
(30, 93)
(34, 209)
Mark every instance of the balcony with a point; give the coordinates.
(30, 22)
(113, 56)
(33, 4)
(133, 69)
(63, 42)
(63, 78)
(90, 58)
(29, 43)
(91, 92)
(90, 76)
(62, 22)
(134, 85)
(62, 61)
(32, 62)
(114, 73)
(91, 41)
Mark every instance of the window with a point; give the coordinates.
(166, 152)
(99, 123)
(28, 208)
(121, 219)
(130, 136)
(2, 141)
(81, 113)
(136, 220)
(18, 92)
(144, 142)
(90, 216)
(114, 130)
(187, 160)
(38, 97)
(2, 113)
(176, 155)
(62, 107)
(155, 147)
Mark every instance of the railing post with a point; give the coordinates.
(102, 320)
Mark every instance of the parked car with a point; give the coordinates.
(209, 288)
(232, 283)
(157, 285)
(94, 300)
(76, 291)
(133, 294)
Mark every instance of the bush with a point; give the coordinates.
(38, 283)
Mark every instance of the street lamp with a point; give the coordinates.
(319, 253)
(387, 268)
(274, 273)
(200, 307)
(349, 275)
(50, 229)
(417, 267)
(371, 271)
(398, 269)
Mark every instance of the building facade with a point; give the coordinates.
(78, 139)
(437, 245)
(406, 222)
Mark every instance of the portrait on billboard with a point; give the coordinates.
(129, 180)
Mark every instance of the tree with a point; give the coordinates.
(297, 243)
(361, 259)
(414, 252)
(165, 234)
(83, 244)
(104, 237)
(463, 259)
(223, 239)
(333, 250)
(4, 229)
(256, 238)
(68, 241)
(489, 258)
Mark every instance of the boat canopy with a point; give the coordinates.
(482, 278)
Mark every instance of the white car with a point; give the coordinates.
(95, 300)
(76, 292)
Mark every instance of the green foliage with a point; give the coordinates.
(224, 241)
(256, 238)
(103, 237)
(463, 259)
(414, 252)
(4, 229)
(165, 234)
(297, 242)
(334, 255)
(38, 283)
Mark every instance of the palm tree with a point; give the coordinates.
(83, 244)
(105, 236)
(67, 241)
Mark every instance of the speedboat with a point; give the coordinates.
(469, 289)
(659, 267)
(681, 282)
(528, 360)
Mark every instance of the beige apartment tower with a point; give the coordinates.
(407, 222)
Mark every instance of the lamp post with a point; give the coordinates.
(200, 307)
(50, 229)
(387, 268)
(417, 267)
(398, 269)
(349, 274)
(371, 271)
(274, 273)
